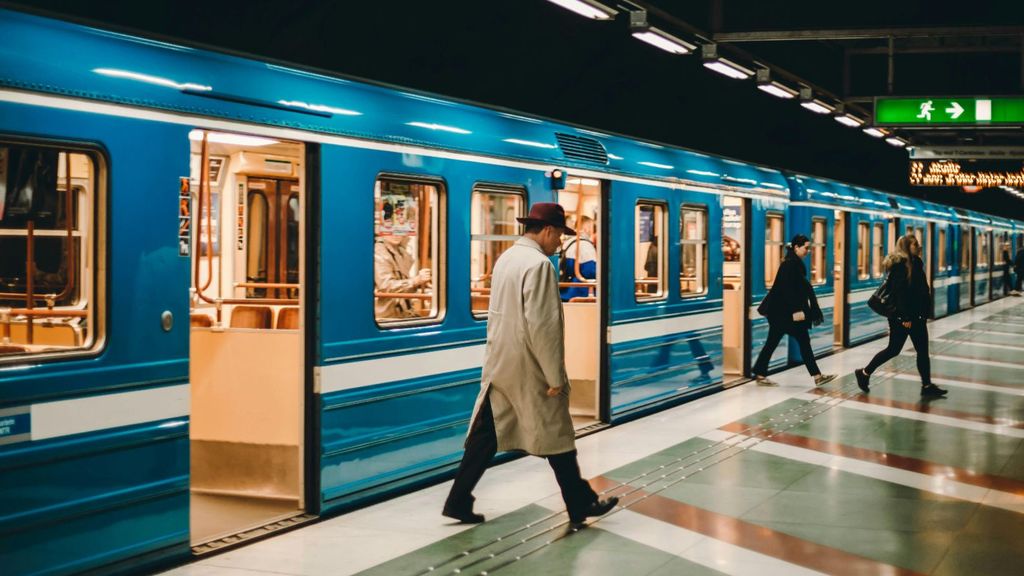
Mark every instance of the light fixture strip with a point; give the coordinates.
(777, 90)
(728, 68)
(587, 8)
(817, 106)
(664, 41)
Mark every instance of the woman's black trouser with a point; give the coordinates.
(1006, 282)
(482, 445)
(918, 333)
(797, 331)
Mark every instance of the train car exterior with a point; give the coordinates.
(236, 262)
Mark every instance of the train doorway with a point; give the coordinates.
(735, 247)
(242, 225)
(579, 278)
(839, 280)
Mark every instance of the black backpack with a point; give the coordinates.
(565, 274)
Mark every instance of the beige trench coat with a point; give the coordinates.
(526, 355)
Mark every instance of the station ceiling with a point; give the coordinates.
(535, 57)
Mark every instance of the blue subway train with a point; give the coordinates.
(236, 296)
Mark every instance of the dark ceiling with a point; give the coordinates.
(534, 56)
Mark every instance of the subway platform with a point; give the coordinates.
(754, 480)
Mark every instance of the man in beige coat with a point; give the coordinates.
(524, 391)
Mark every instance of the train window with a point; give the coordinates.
(493, 229)
(863, 250)
(49, 300)
(942, 249)
(818, 273)
(965, 249)
(773, 246)
(982, 256)
(408, 227)
(877, 250)
(649, 252)
(693, 257)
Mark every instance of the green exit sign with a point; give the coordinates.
(948, 111)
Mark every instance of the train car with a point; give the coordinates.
(942, 265)
(238, 295)
(851, 229)
(1003, 237)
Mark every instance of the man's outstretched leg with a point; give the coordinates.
(481, 445)
(580, 499)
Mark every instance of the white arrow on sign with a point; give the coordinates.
(955, 110)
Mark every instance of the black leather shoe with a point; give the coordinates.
(466, 516)
(932, 391)
(862, 379)
(597, 508)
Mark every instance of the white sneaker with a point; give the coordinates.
(764, 381)
(823, 379)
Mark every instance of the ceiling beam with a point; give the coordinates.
(861, 34)
(935, 50)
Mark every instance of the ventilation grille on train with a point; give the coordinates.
(582, 148)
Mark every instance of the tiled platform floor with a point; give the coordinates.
(754, 480)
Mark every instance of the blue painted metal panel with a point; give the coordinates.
(92, 63)
(822, 336)
(97, 500)
(90, 500)
(658, 369)
(760, 209)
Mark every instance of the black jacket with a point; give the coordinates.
(911, 296)
(1018, 261)
(790, 293)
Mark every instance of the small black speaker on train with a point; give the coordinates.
(28, 184)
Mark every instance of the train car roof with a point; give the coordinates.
(73, 60)
(812, 189)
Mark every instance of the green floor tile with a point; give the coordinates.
(974, 352)
(436, 553)
(917, 551)
(987, 338)
(989, 544)
(997, 327)
(963, 369)
(728, 500)
(823, 480)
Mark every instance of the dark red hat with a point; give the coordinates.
(548, 214)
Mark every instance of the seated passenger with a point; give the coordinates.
(392, 267)
(583, 245)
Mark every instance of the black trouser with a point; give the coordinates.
(1018, 281)
(1006, 282)
(797, 331)
(482, 444)
(918, 333)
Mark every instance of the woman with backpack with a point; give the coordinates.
(791, 307)
(904, 297)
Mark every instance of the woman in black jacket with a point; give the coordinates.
(790, 308)
(909, 300)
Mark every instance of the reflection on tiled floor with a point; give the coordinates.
(754, 480)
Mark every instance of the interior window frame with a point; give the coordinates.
(818, 248)
(438, 270)
(770, 272)
(492, 188)
(90, 231)
(701, 209)
(662, 293)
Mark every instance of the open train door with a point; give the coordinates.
(247, 198)
(735, 289)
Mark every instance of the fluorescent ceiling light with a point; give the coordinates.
(656, 165)
(729, 68)
(664, 40)
(228, 138)
(774, 87)
(849, 120)
(875, 132)
(778, 90)
(588, 8)
(817, 106)
(441, 127)
(703, 173)
(319, 108)
(157, 80)
(529, 143)
(896, 141)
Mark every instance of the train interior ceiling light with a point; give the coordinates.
(723, 66)
(587, 8)
(228, 138)
(642, 30)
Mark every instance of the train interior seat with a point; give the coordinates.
(258, 317)
(47, 333)
(288, 318)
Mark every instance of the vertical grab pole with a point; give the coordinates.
(30, 272)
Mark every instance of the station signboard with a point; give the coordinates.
(946, 111)
(980, 173)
